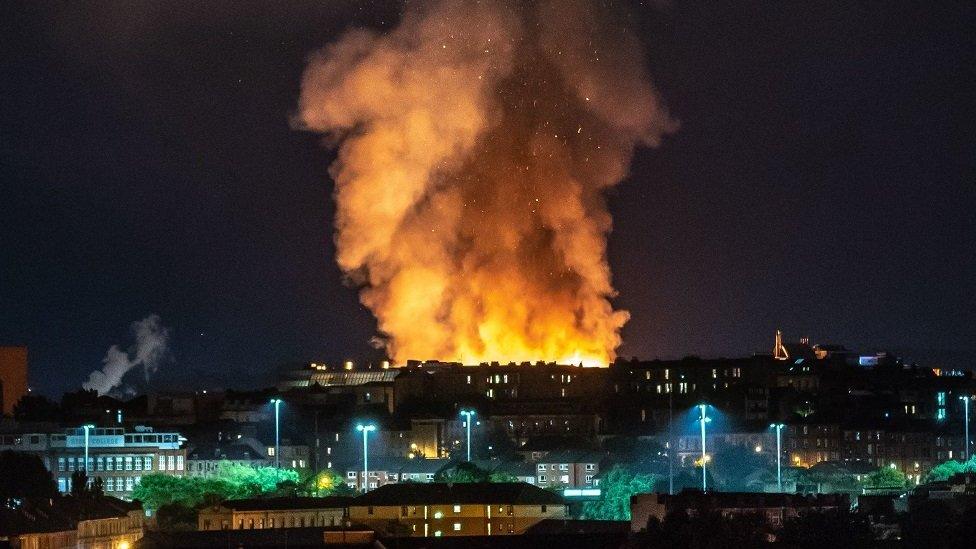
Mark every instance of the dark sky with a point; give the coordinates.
(823, 182)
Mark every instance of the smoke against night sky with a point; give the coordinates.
(476, 141)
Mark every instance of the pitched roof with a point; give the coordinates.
(508, 493)
(278, 504)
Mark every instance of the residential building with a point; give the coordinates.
(774, 509)
(463, 509)
(568, 469)
(391, 470)
(65, 521)
(294, 512)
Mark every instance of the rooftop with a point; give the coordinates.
(439, 493)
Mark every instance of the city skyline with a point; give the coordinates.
(820, 183)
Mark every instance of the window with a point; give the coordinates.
(63, 485)
(542, 478)
(542, 467)
(430, 476)
(99, 463)
(457, 526)
(71, 464)
(128, 463)
(457, 508)
(372, 485)
(162, 463)
(589, 478)
(118, 463)
(563, 467)
(543, 508)
(110, 484)
(170, 463)
(179, 463)
(61, 465)
(437, 534)
(271, 451)
(351, 474)
(138, 464)
(129, 484)
(147, 463)
(590, 466)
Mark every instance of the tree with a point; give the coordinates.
(462, 473)
(617, 486)
(325, 482)
(174, 516)
(82, 486)
(24, 476)
(36, 408)
(733, 465)
(502, 476)
(886, 478)
(945, 470)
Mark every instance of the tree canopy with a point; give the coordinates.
(231, 482)
(24, 476)
(886, 477)
(946, 469)
(617, 485)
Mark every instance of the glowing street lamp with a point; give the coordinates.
(468, 414)
(277, 404)
(86, 428)
(365, 430)
(779, 454)
(703, 420)
(965, 400)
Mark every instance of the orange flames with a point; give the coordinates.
(474, 145)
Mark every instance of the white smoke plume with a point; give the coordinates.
(149, 350)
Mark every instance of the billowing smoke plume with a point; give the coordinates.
(149, 349)
(475, 144)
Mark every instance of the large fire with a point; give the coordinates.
(475, 142)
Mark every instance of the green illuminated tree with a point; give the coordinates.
(502, 476)
(945, 470)
(886, 478)
(617, 486)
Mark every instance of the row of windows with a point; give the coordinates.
(109, 484)
(565, 467)
(120, 463)
(563, 478)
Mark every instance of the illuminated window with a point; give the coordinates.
(437, 534)
(457, 526)
(438, 515)
(457, 508)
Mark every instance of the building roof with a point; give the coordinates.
(261, 537)
(286, 503)
(60, 514)
(507, 493)
(572, 456)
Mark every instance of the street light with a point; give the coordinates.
(365, 430)
(703, 420)
(965, 400)
(277, 404)
(468, 414)
(86, 428)
(779, 454)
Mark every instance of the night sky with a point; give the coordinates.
(823, 182)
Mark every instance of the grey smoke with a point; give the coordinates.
(148, 351)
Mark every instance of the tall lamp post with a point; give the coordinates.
(365, 430)
(86, 428)
(277, 404)
(965, 401)
(779, 455)
(703, 420)
(468, 415)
